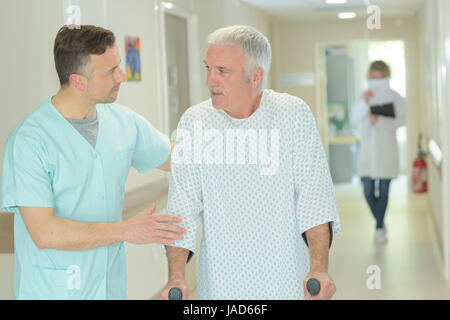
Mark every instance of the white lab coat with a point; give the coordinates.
(378, 151)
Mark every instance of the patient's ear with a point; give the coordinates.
(256, 78)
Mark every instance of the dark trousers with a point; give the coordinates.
(377, 199)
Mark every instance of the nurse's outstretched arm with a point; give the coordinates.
(50, 232)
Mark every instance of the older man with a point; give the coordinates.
(249, 164)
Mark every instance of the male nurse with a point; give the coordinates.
(63, 175)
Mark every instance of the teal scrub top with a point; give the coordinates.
(48, 163)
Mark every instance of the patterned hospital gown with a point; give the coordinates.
(253, 213)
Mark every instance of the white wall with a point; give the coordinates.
(435, 65)
(27, 30)
(444, 9)
(430, 113)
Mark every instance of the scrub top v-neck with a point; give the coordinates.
(48, 163)
(88, 127)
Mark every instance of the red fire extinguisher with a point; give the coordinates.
(419, 172)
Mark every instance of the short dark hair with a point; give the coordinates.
(74, 45)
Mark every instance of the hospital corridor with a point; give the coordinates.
(318, 119)
(409, 263)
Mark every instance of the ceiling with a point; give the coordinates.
(320, 10)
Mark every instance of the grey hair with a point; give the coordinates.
(255, 45)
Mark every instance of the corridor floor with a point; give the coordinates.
(408, 265)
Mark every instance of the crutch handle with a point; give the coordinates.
(313, 286)
(175, 294)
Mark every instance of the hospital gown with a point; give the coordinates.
(253, 212)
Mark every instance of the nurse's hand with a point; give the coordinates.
(373, 118)
(174, 283)
(367, 95)
(145, 227)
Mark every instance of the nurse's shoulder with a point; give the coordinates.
(117, 110)
(32, 131)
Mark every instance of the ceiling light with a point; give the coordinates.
(167, 5)
(336, 1)
(346, 15)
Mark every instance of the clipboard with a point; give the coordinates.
(386, 110)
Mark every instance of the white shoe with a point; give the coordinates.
(380, 236)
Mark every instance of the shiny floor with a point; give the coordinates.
(408, 266)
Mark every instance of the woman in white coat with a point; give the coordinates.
(378, 152)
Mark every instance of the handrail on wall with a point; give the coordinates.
(436, 154)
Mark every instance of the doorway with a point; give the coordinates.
(179, 64)
(345, 71)
(180, 84)
(177, 68)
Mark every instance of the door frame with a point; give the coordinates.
(321, 97)
(193, 53)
